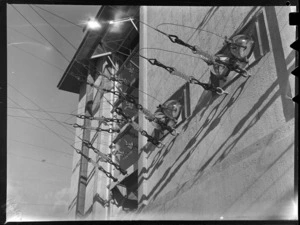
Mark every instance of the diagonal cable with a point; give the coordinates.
(37, 106)
(53, 27)
(59, 136)
(58, 16)
(41, 34)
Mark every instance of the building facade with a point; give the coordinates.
(233, 156)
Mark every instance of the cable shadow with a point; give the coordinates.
(235, 78)
(205, 20)
(159, 158)
(244, 21)
(156, 163)
(209, 118)
(203, 102)
(269, 187)
(241, 123)
(168, 175)
(256, 179)
(251, 124)
(214, 123)
(288, 197)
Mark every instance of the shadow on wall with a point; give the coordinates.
(203, 103)
(182, 96)
(245, 21)
(205, 20)
(168, 174)
(211, 121)
(280, 62)
(238, 127)
(183, 157)
(289, 194)
(284, 208)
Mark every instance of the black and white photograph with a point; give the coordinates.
(150, 113)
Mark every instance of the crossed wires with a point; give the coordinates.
(175, 39)
(63, 57)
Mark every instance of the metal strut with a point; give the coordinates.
(111, 78)
(209, 59)
(149, 116)
(189, 79)
(98, 129)
(151, 139)
(102, 119)
(109, 175)
(175, 39)
(131, 99)
(102, 155)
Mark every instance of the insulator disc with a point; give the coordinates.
(242, 46)
(172, 109)
(220, 70)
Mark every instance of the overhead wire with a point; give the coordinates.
(96, 67)
(125, 85)
(53, 27)
(41, 147)
(180, 54)
(53, 47)
(43, 128)
(59, 16)
(40, 161)
(37, 106)
(195, 28)
(74, 46)
(24, 34)
(47, 111)
(38, 110)
(53, 132)
(52, 65)
(37, 57)
(35, 118)
(165, 50)
(166, 34)
(236, 105)
(42, 34)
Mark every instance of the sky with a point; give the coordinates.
(39, 155)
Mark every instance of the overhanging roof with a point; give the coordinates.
(92, 39)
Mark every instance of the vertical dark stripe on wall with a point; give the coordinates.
(80, 206)
(280, 64)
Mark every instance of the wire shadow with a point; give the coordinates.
(168, 175)
(205, 20)
(237, 128)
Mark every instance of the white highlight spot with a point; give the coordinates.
(93, 24)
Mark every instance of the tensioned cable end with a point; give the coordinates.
(220, 91)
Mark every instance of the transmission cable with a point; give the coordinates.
(37, 106)
(38, 110)
(41, 34)
(41, 147)
(45, 61)
(53, 28)
(42, 128)
(41, 161)
(58, 16)
(195, 28)
(59, 136)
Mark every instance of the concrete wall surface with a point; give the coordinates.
(234, 156)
